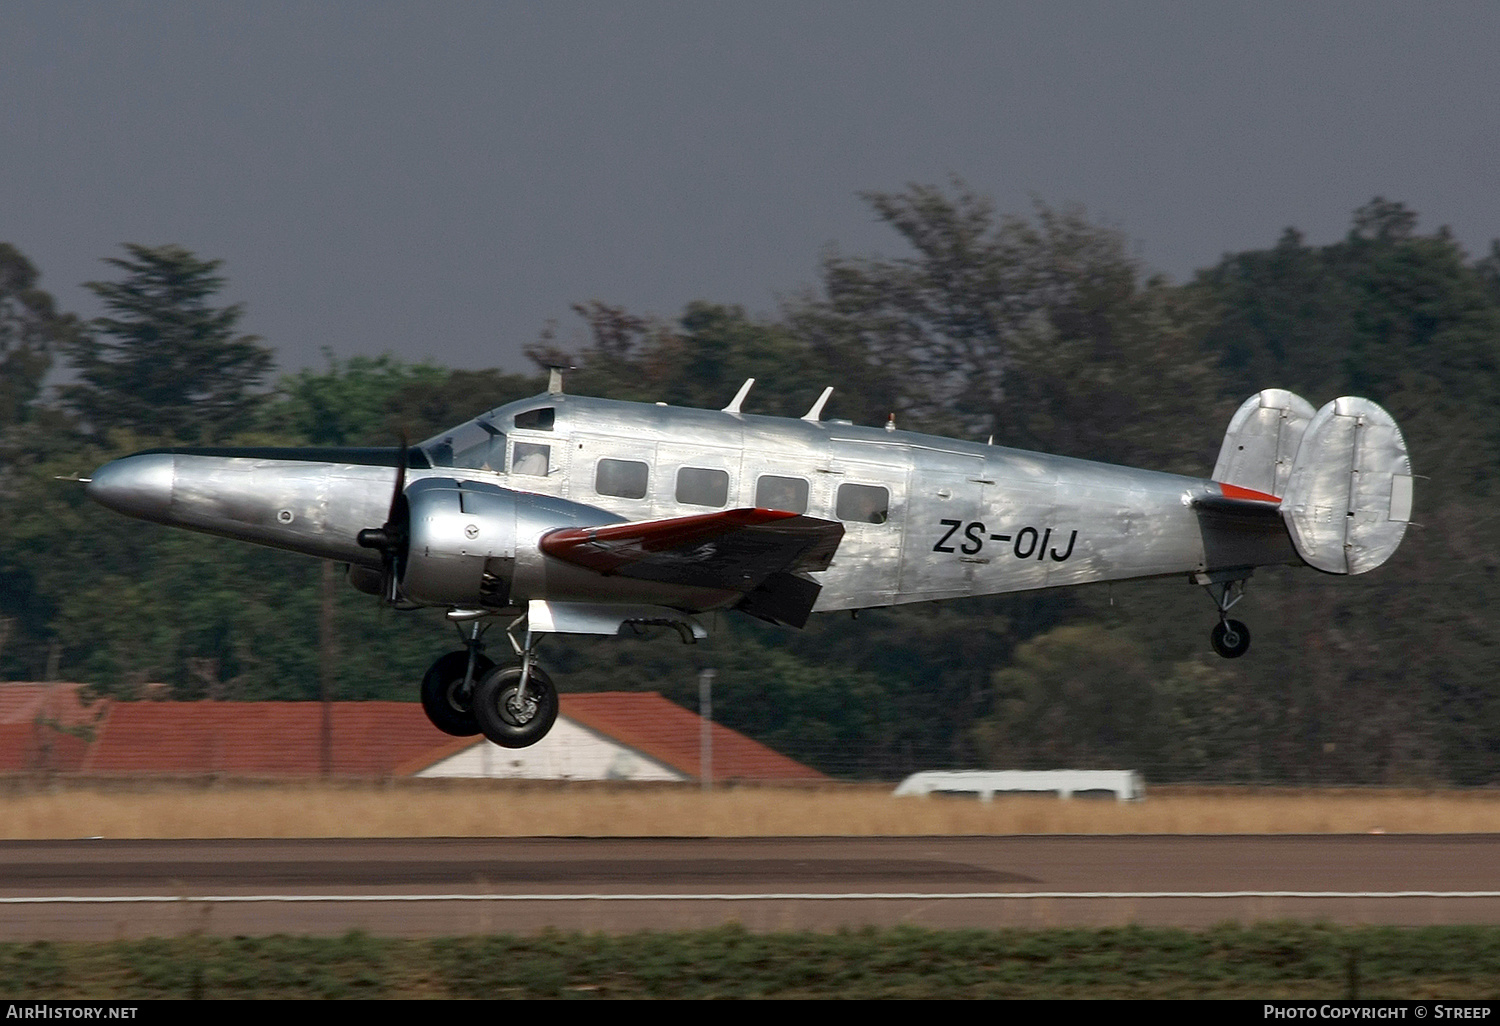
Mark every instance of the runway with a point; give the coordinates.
(106, 889)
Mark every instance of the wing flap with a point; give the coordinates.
(736, 549)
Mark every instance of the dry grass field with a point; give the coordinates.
(35, 809)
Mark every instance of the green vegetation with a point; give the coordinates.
(1041, 330)
(1280, 960)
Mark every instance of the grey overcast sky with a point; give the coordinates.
(440, 179)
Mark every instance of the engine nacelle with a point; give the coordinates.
(463, 539)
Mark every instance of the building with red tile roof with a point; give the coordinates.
(604, 736)
(45, 726)
(623, 735)
(261, 738)
(64, 704)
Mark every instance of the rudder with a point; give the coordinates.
(1262, 441)
(1348, 498)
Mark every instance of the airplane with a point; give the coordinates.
(578, 515)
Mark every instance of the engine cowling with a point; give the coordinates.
(464, 538)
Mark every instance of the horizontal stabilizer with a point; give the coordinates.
(737, 549)
(1240, 504)
(1349, 497)
(1242, 528)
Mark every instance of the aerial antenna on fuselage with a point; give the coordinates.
(739, 397)
(554, 379)
(817, 408)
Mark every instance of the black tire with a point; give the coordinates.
(440, 698)
(1230, 638)
(506, 725)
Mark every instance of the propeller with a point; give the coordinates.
(392, 537)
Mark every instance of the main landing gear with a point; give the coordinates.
(1230, 638)
(465, 693)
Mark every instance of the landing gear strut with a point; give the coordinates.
(465, 693)
(1230, 638)
(515, 708)
(448, 687)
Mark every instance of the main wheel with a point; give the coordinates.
(1230, 638)
(505, 720)
(442, 693)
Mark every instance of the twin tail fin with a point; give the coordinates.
(1342, 474)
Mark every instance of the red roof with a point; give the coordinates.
(34, 718)
(261, 738)
(28, 747)
(54, 702)
(368, 739)
(669, 733)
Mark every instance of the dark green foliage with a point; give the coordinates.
(376, 400)
(704, 359)
(31, 334)
(164, 363)
(1272, 960)
(1393, 677)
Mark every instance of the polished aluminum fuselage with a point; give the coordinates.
(962, 518)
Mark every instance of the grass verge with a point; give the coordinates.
(125, 808)
(1277, 960)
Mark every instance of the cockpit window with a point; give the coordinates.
(477, 445)
(537, 420)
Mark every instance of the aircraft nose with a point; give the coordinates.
(138, 486)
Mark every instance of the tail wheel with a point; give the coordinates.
(507, 718)
(443, 700)
(1230, 638)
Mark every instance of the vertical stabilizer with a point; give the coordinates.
(1349, 498)
(1262, 441)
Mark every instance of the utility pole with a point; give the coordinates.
(327, 663)
(705, 728)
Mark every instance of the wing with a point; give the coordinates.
(760, 553)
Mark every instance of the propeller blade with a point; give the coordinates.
(400, 481)
(390, 537)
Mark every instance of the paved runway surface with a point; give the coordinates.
(100, 889)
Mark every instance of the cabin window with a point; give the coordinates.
(623, 478)
(863, 504)
(537, 420)
(784, 493)
(697, 487)
(531, 459)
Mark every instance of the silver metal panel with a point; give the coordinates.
(600, 618)
(1262, 441)
(947, 493)
(866, 569)
(1349, 498)
(282, 503)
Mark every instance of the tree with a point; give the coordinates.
(164, 362)
(1044, 332)
(31, 331)
(347, 404)
(376, 400)
(1393, 679)
(703, 359)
